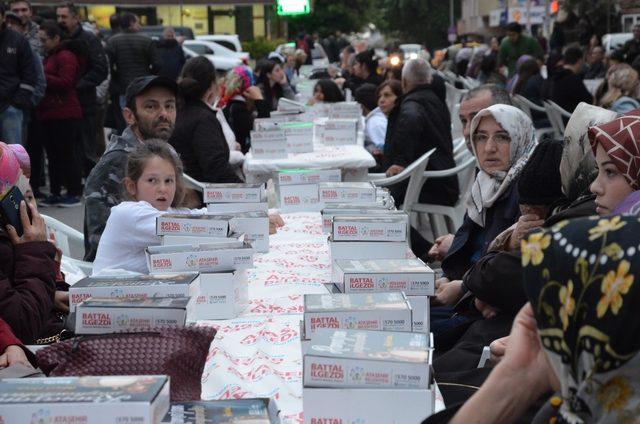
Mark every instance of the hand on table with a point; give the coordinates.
(13, 355)
(275, 222)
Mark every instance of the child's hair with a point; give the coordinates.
(138, 159)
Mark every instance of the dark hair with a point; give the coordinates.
(138, 159)
(20, 1)
(349, 49)
(528, 69)
(196, 78)
(394, 85)
(330, 90)
(69, 5)
(366, 58)
(499, 95)
(488, 64)
(52, 28)
(572, 55)
(264, 67)
(127, 19)
(366, 96)
(115, 22)
(514, 27)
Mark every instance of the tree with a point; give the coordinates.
(417, 21)
(328, 16)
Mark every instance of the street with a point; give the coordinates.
(70, 216)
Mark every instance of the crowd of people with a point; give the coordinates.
(541, 269)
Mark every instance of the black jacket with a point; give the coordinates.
(423, 123)
(171, 57)
(93, 66)
(240, 119)
(353, 82)
(131, 55)
(566, 89)
(17, 71)
(503, 214)
(200, 142)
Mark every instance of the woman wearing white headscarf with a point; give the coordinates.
(502, 139)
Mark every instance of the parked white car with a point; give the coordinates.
(614, 41)
(221, 63)
(213, 48)
(232, 42)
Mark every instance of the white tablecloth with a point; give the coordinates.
(259, 354)
(351, 157)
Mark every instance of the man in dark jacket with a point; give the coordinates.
(423, 124)
(18, 78)
(150, 113)
(171, 54)
(566, 87)
(94, 70)
(631, 49)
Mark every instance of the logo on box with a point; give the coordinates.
(351, 323)
(356, 374)
(324, 322)
(95, 319)
(361, 283)
(292, 200)
(163, 263)
(327, 372)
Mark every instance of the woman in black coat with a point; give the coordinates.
(198, 136)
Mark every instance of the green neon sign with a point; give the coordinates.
(293, 7)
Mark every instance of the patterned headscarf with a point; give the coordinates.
(578, 163)
(237, 81)
(15, 168)
(620, 138)
(488, 187)
(581, 277)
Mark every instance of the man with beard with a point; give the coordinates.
(150, 113)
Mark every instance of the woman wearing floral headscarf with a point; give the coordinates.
(578, 335)
(27, 262)
(238, 98)
(502, 139)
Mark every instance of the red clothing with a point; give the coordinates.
(62, 72)
(6, 337)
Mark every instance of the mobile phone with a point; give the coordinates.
(10, 210)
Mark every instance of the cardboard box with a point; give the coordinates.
(379, 228)
(296, 198)
(308, 176)
(233, 239)
(328, 213)
(367, 359)
(109, 315)
(192, 225)
(374, 311)
(420, 312)
(134, 287)
(223, 295)
(228, 411)
(255, 227)
(345, 110)
(367, 406)
(276, 134)
(229, 208)
(347, 192)
(269, 150)
(340, 132)
(410, 276)
(234, 193)
(299, 137)
(204, 258)
(108, 399)
(367, 249)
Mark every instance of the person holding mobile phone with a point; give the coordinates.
(27, 261)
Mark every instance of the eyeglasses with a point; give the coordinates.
(501, 138)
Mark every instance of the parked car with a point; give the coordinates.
(612, 42)
(155, 32)
(232, 42)
(221, 63)
(213, 48)
(318, 55)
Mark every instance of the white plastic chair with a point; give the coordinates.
(456, 124)
(528, 107)
(459, 145)
(556, 115)
(70, 241)
(452, 215)
(453, 96)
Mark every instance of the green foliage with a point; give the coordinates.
(328, 16)
(261, 47)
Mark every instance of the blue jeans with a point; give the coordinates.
(11, 125)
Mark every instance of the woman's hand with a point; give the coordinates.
(485, 309)
(498, 348)
(275, 222)
(441, 247)
(525, 224)
(448, 294)
(253, 93)
(61, 301)
(34, 229)
(13, 355)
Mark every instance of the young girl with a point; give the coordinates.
(154, 184)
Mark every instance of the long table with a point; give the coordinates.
(258, 354)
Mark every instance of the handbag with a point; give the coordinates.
(180, 353)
